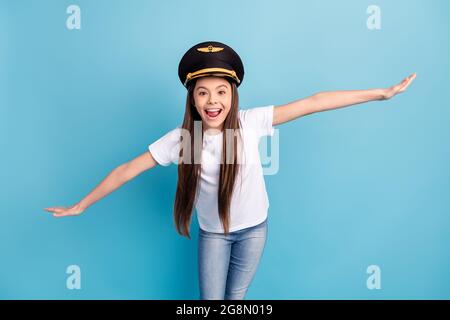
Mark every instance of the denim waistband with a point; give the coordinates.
(259, 225)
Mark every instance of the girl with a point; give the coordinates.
(219, 169)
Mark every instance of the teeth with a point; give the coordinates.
(213, 110)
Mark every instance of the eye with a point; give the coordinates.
(202, 93)
(222, 92)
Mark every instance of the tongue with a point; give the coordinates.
(212, 114)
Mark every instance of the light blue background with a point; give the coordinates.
(363, 185)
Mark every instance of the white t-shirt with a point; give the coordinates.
(249, 202)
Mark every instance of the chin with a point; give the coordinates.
(214, 124)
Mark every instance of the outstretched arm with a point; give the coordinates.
(113, 180)
(329, 100)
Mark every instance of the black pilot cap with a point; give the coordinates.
(210, 58)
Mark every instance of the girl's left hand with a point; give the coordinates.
(398, 88)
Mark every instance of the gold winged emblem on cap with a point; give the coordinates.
(210, 48)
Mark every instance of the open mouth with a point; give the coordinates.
(213, 113)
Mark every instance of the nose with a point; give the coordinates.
(212, 99)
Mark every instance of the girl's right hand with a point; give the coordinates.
(74, 210)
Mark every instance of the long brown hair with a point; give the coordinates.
(189, 173)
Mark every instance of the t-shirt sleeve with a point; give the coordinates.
(166, 149)
(259, 119)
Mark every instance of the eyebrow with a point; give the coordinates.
(222, 85)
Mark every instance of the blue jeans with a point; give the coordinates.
(227, 263)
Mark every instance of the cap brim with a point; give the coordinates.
(219, 72)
